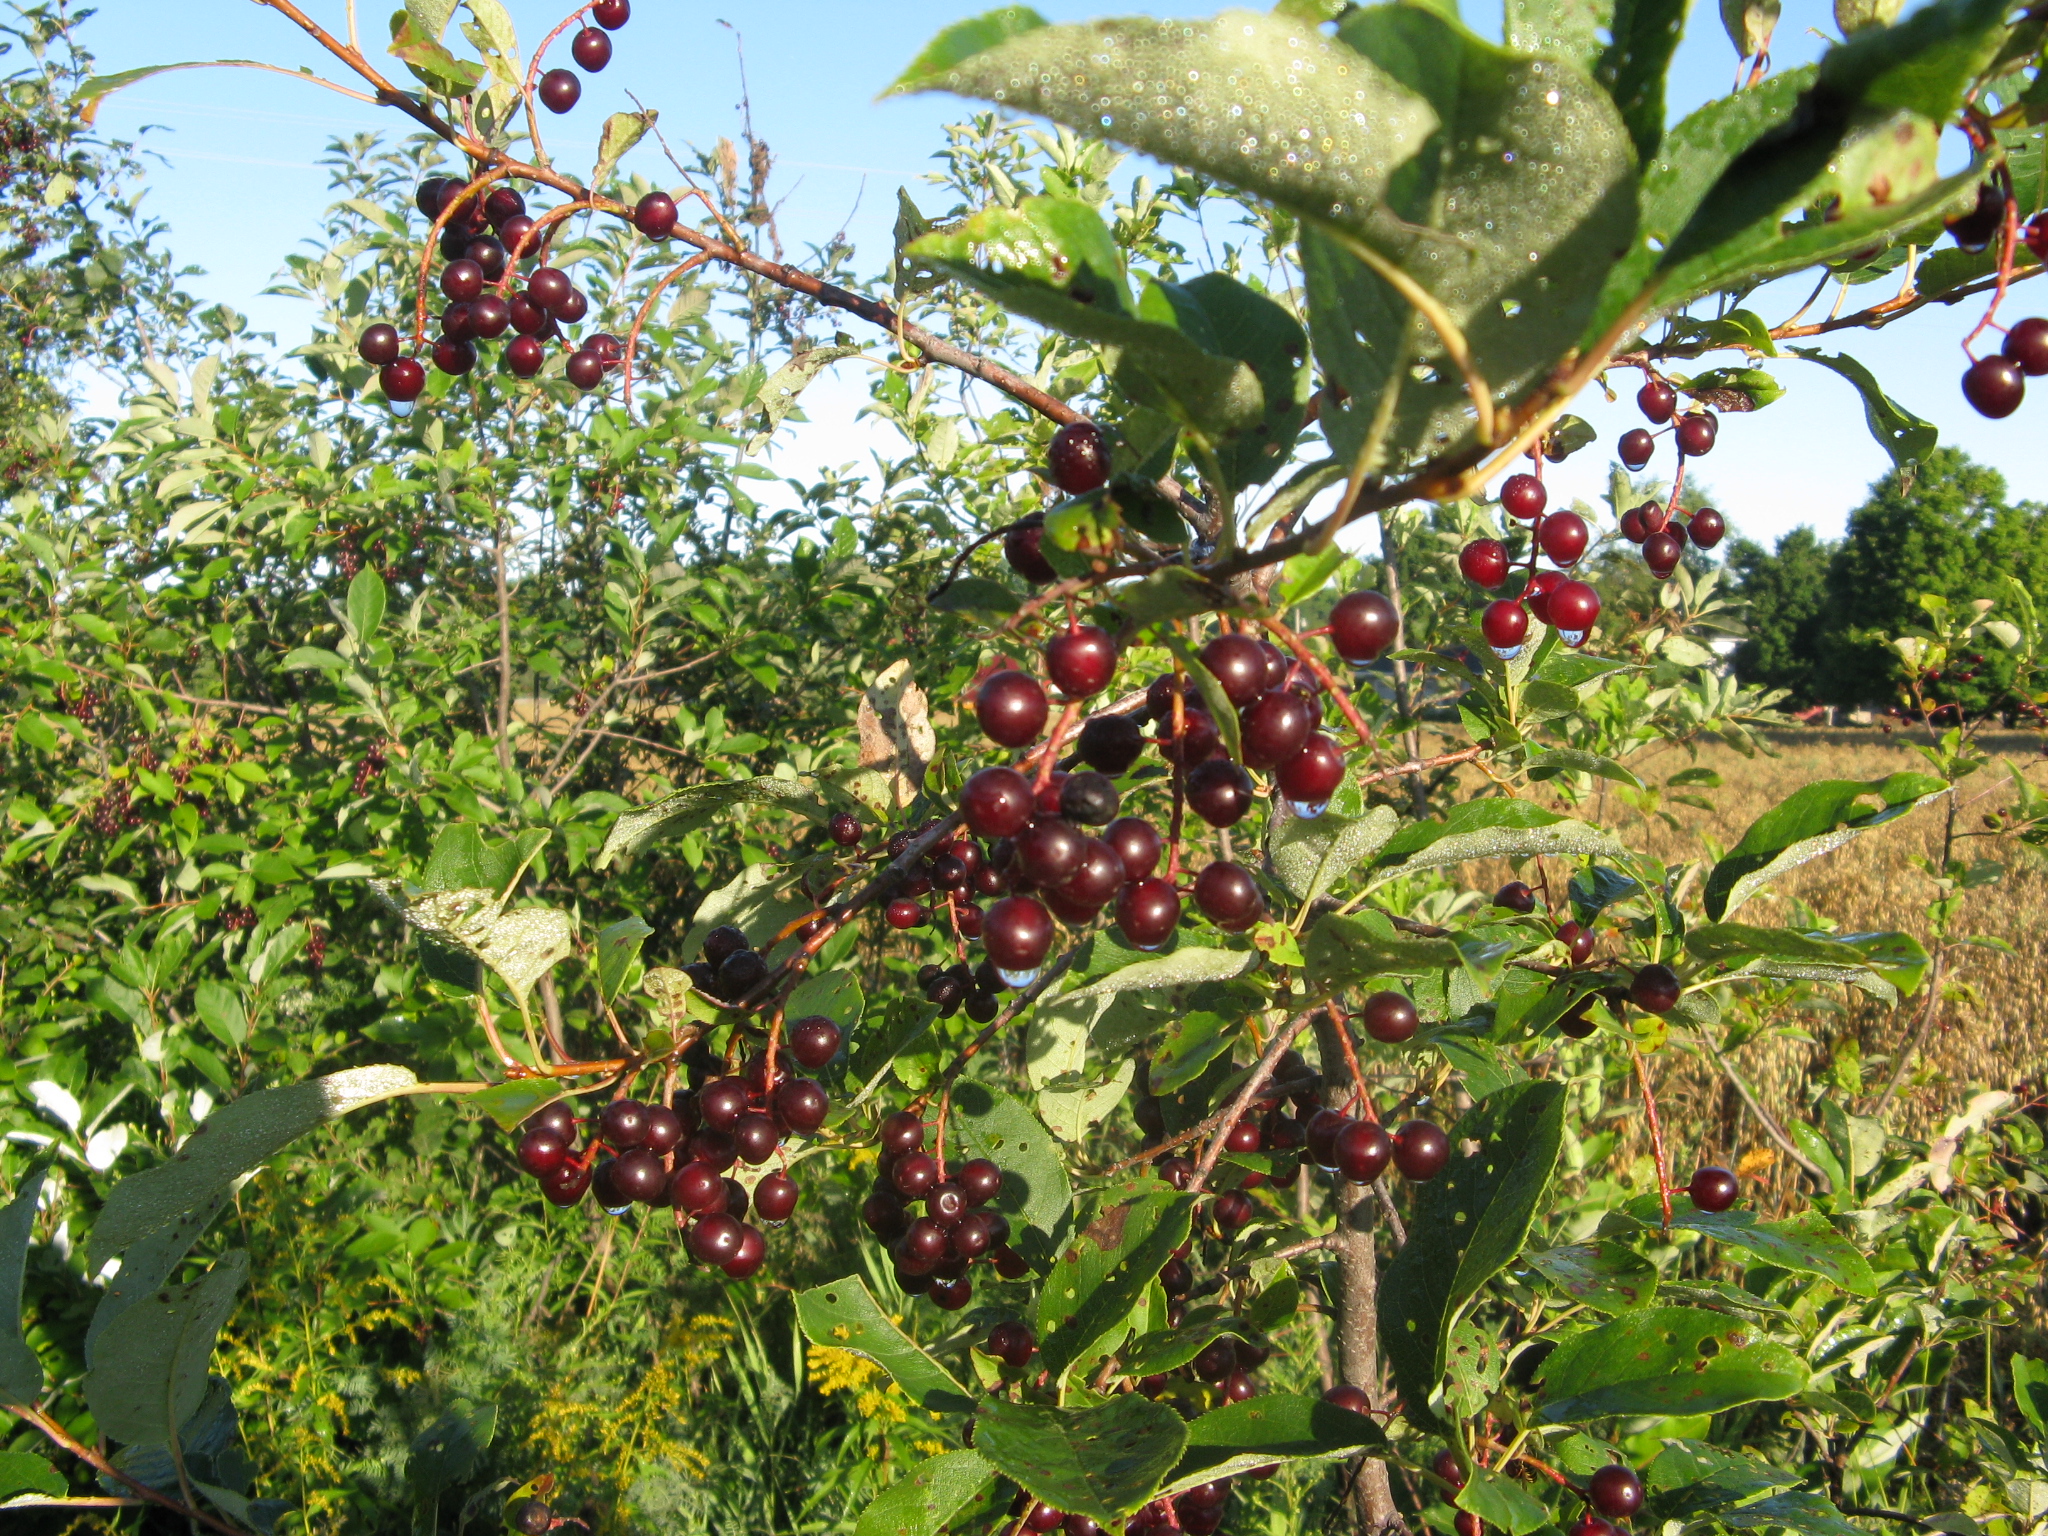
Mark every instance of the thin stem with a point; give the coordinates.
(56, 1432)
(1261, 1073)
(1763, 1117)
(1656, 1137)
(994, 1027)
(1425, 304)
(1322, 675)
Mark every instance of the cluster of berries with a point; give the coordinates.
(729, 967)
(559, 89)
(955, 986)
(83, 706)
(932, 1252)
(113, 811)
(368, 768)
(1197, 1511)
(679, 1156)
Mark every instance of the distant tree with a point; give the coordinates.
(1786, 593)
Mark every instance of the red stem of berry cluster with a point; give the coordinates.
(1343, 1032)
(56, 1432)
(1677, 486)
(1049, 753)
(640, 322)
(1322, 675)
(1261, 1074)
(1656, 1137)
(2008, 237)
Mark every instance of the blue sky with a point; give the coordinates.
(239, 185)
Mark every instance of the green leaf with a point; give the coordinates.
(463, 859)
(834, 994)
(516, 1100)
(235, 1139)
(1806, 824)
(1168, 1349)
(220, 1009)
(1807, 1243)
(928, 1496)
(1607, 1277)
(1341, 950)
(36, 730)
(449, 1450)
(150, 1363)
(961, 42)
(842, 1315)
(1848, 958)
(521, 946)
(1174, 592)
(1809, 1514)
(1666, 1360)
(688, 809)
(1469, 1223)
(1906, 437)
(1492, 829)
(88, 97)
(22, 1473)
(146, 1265)
(1635, 64)
(778, 398)
(1104, 1462)
(1185, 964)
(1036, 1194)
(622, 130)
(1194, 1038)
(1313, 856)
(1277, 1426)
(618, 946)
(366, 600)
(1104, 1268)
(1548, 762)
(21, 1373)
(1501, 1502)
(430, 16)
(429, 59)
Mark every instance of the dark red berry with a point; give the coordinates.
(1515, 896)
(453, 357)
(379, 345)
(981, 1179)
(1049, 852)
(1351, 1399)
(428, 198)
(1696, 433)
(1080, 660)
(655, 215)
(1320, 1139)
(1098, 879)
(813, 1041)
(591, 50)
(1657, 400)
(585, 369)
(402, 381)
(902, 1133)
(1994, 386)
(1137, 845)
(462, 280)
(1505, 625)
(1447, 1466)
(1465, 1523)
(1147, 912)
(1484, 562)
(1523, 497)
(542, 1152)
(1655, 989)
(1220, 792)
(549, 288)
(1635, 447)
(1362, 625)
(1420, 1150)
(514, 234)
(1616, 1491)
(1573, 607)
(801, 1105)
(1661, 553)
(531, 1517)
(753, 1249)
(775, 1198)
(1011, 707)
(1197, 742)
(1389, 1018)
(1238, 664)
(1536, 594)
(1017, 933)
(639, 1176)
(1226, 894)
(1274, 728)
(1110, 742)
(1707, 528)
(1564, 537)
(1980, 226)
(1362, 1151)
(1079, 457)
(611, 14)
(1313, 774)
(566, 1185)
(623, 1124)
(560, 90)
(1713, 1189)
(1577, 940)
(721, 1102)
(664, 1130)
(1022, 549)
(489, 315)
(755, 1137)
(1232, 1210)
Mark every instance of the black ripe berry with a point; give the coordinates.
(655, 214)
(1021, 549)
(1994, 386)
(559, 91)
(1713, 1189)
(403, 380)
(532, 1518)
(591, 49)
(1696, 433)
(1227, 895)
(1079, 457)
(1655, 989)
(1089, 799)
(1515, 896)
(813, 1041)
(1111, 743)
(1657, 401)
(1220, 792)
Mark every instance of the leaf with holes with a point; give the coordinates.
(1186, 963)
(1104, 1268)
(1806, 824)
(22, 1473)
(1806, 1243)
(1278, 1426)
(1607, 1277)
(1668, 1361)
(1036, 1194)
(927, 1496)
(842, 1315)
(150, 1363)
(1103, 1462)
(516, 1100)
(1470, 1222)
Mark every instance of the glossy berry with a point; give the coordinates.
(1632, 527)
(639, 1176)
(560, 90)
(1232, 1210)
(997, 802)
(981, 1179)
(902, 1133)
(1635, 447)
(755, 1137)
(1351, 1399)
(902, 914)
(1079, 457)
(1320, 1139)
(1314, 773)
(1657, 400)
(800, 1104)
(1661, 553)
(591, 50)
(403, 380)
(558, 1119)
(813, 1041)
(1226, 894)
(1447, 1466)
(1147, 912)
(549, 288)
(1655, 989)
(1011, 707)
(1274, 728)
(515, 234)
(1696, 433)
(1362, 625)
(1219, 792)
(1022, 549)
(1523, 497)
(1389, 1018)
(1707, 528)
(1197, 742)
(1515, 896)
(1080, 660)
(1043, 1517)
(1420, 1150)
(1137, 845)
(566, 1185)
(1563, 537)
(1050, 852)
(1239, 665)
(489, 316)
(542, 1152)
(1505, 625)
(1994, 386)
(1089, 799)
(655, 214)
(2027, 344)
(585, 369)
(1012, 1343)
(1017, 933)
(664, 1130)
(611, 14)
(1577, 941)
(1979, 227)
(739, 974)
(623, 1124)
(1362, 1151)
(1616, 1491)
(503, 203)
(1111, 743)
(379, 345)
(1465, 1523)
(454, 357)
(1097, 881)
(1713, 1189)
(1484, 562)
(1573, 607)
(428, 198)
(775, 1197)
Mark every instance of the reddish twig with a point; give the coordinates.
(1656, 1136)
(1261, 1073)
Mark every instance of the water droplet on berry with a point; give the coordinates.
(1308, 810)
(1507, 652)
(401, 407)
(617, 1210)
(1572, 636)
(1018, 979)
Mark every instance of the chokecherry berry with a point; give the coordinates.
(775, 1198)
(1238, 664)
(623, 1124)
(462, 280)
(755, 1137)
(428, 196)
(585, 369)
(1046, 796)
(1274, 728)
(1043, 1517)
(1012, 1343)
(1616, 1491)
(639, 1176)
(488, 255)
(1977, 228)
(1655, 989)
(1080, 660)
(902, 1133)
(753, 1249)
(800, 1104)
(1233, 1208)
(557, 1118)
(379, 345)
(455, 324)
(611, 14)
(1022, 549)
(813, 1041)
(502, 204)
(1657, 400)
(1577, 940)
(902, 914)
(1635, 447)
(1050, 851)
(1515, 896)
(489, 315)
(1227, 895)
(454, 357)
(739, 974)
(1994, 386)
(1536, 594)
(721, 1102)
(566, 1185)
(1219, 792)
(1320, 1139)
(542, 1152)
(560, 90)
(1137, 845)
(1011, 707)
(1465, 1523)
(1484, 562)
(1098, 879)
(1090, 799)
(1447, 1466)
(1111, 743)
(1197, 742)
(1632, 527)
(1563, 537)
(1696, 433)
(1420, 1150)
(1146, 912)
(664, 1130)
(1713, 1189)
(655, 214)
(1389, 1018)
(1706, 528)
(1573, 607)
(1351, 1399)
(1017, 933)
(997, 802)
(1362, 625)
(1363, 1149)
(1661, 553)
(591, 50)
(531, 1517)
(981, 1179)
(1523, 497)
(1079, 457)
(1505, 623)
(403, 380)
(1312, 775)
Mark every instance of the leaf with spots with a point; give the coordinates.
(1102, 1271)
(1668, 1361)
(1470, 1222)
(1607, 1277)
(1036, 1195)
(928, 1496)
(1103, 1462)
(1274, 1426)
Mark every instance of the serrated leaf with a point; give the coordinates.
(1104, 1268)
(21, 1472)
(150, 1370)
(1806, 1243)
(1276, 1426)
(618, 946)
(1607, 1277)
(1312, 856)
(1071, 1108)
(1343, 949)
(1168, 1349)
(778, 396)
(235, 1139)
(979, 594)
(1469, 1223)
(21, 1373)
(1808, 823)
(1184, 965)
(366, 601)
(1104, 1462)
(1491, 829)
(1548, 762)
(148, 1264)
(928, 1496)
(688, 809)
(520, 946)
(842, 1315)
(1668, 1361)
